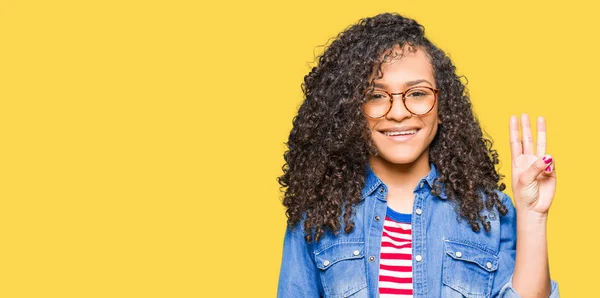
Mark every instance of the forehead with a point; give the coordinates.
(402, 65)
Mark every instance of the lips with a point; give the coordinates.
(400, 134)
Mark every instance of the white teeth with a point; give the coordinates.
(400, 133)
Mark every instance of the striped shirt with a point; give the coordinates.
(395, 269)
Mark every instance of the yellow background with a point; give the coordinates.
(140, 141)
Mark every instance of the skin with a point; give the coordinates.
(400, 165)
(533, 188)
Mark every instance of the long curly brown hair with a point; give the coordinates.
(329, 144)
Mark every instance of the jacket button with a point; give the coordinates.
(492, 215)
(377, 218)
(459, 254)
(421, 185)
(488, 265)
(326, 263)
(356, 252)
(418, 258)
(371, 258)
(419, 211)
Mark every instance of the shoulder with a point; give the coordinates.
(504, 197)
(507, 221)
(506, 201)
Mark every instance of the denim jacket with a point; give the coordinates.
(449, 259)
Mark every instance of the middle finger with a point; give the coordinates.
(527, 138)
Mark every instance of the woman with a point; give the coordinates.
(391, 189)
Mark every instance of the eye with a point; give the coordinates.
(377, 95)
(419, 92)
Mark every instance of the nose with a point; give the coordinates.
(398, 111)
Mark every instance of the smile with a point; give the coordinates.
(400, 135)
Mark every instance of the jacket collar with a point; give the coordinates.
(372, 182)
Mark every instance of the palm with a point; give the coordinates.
(531, 191)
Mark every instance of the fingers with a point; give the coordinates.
(541, 137)
(525, 146)
(515, 141)
(527, 137)
(545, 164)
(551, 169)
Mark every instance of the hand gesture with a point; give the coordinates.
(533, 175)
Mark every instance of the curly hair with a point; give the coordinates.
(329, 144)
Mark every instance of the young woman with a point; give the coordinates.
(391, 188)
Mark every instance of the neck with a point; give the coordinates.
(401, 177)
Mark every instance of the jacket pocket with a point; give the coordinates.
(468, 268)
(342, 268)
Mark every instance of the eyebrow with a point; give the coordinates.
(407, 84)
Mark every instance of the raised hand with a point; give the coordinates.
(533, 175)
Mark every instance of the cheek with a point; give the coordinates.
(434, 131)
(433, 125)
(372, 123)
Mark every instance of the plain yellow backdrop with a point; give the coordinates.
(140, 141)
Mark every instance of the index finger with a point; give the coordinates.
(516, 148)
(527, 140)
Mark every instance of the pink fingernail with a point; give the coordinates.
(547, 160)
(548, 169)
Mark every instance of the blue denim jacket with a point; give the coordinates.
(347, 265)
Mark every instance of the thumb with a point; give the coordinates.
(536, 168)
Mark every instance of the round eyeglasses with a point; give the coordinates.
(418, 101)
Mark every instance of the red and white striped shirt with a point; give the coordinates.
(395, 269)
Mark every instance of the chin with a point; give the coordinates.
(401, 153)
(396, 158)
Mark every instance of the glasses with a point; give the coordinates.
(417, 100)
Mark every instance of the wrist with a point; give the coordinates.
(531, 218)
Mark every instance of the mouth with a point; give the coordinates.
(400, 135)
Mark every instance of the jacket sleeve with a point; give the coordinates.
(508, 291)
(502, 286)
(299, 276)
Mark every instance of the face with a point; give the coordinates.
(408, 70)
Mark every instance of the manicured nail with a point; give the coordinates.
(547, 160)
(548, 169)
